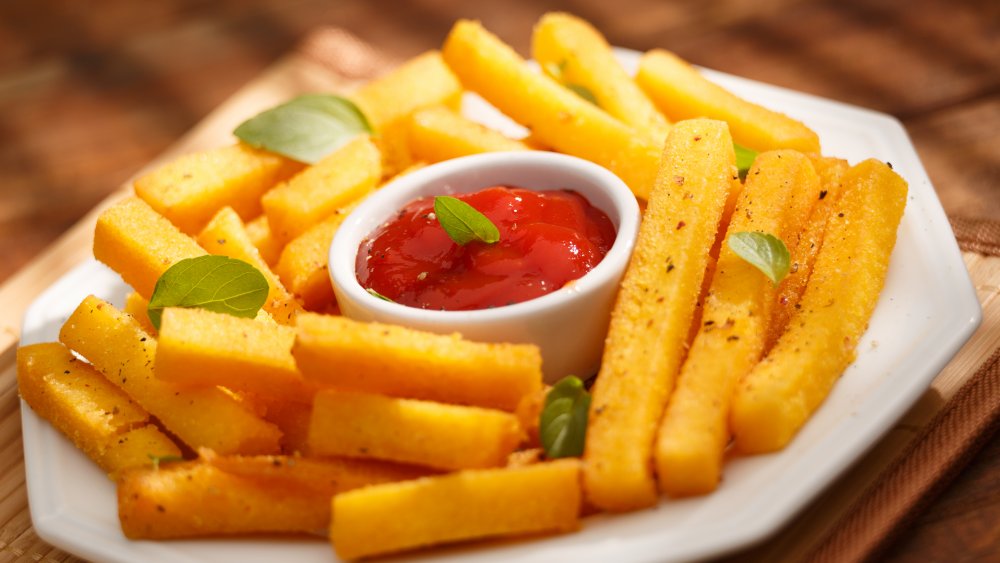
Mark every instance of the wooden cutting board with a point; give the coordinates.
(332, 60)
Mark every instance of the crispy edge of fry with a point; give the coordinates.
(653, 312)
(694, 430)
(775, 399)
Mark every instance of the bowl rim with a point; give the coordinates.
(393, 196)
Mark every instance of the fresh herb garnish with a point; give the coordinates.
(217, 283)
(764, 251)
(555, 71)
(744, 159)
(306, 128)
(583, 93)
(563, 422)
(379, 295)
(464, 223)
(158, 459)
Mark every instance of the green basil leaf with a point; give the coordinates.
(744, 159)
(555, 71)
(158, 459)
(379, 295)
(563, 423)
(764, 251)
(583, 93)
(307, 128)
(217, 283)
(462, 222)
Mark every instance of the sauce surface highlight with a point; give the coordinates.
(547, 239)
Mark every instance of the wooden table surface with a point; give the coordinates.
(89, 92)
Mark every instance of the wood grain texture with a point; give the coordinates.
(89, 96)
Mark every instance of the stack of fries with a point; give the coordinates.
(302, 421)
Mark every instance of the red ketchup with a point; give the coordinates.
(547, 239)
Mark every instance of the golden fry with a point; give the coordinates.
(199, 348)
(695, 428)
(401, 362)
(470, 504)
(438, 133)
(388, 101)
(195, 499)
(409, 431)
(225, 235)
(556, 116)
(681, 92)
(118, 347)
(303, 262)
(830, 171)
(347, 175)
(776, 398)
(653, 313)
(100, 419)
(189, 190)
(580, 55)
(140, 244)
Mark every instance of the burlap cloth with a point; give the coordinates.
(880, 510)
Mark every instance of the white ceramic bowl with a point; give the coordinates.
(568, 325)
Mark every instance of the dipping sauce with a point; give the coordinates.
(547, 239)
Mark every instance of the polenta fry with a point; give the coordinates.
(197, 499)
(544, 497)
(653, 312)
(830, 171)
(199, 348)
(225, 235)
(190, 189)
(695, 428)
(557, 117)
(774, 400)
(140, 244)
(389, 100)
(408, 431)
(311, 196)
(303, 262)
(100, 419)
(118, 347)
(438, 133)
(582, 57)
(402, 362)
(681, 92)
